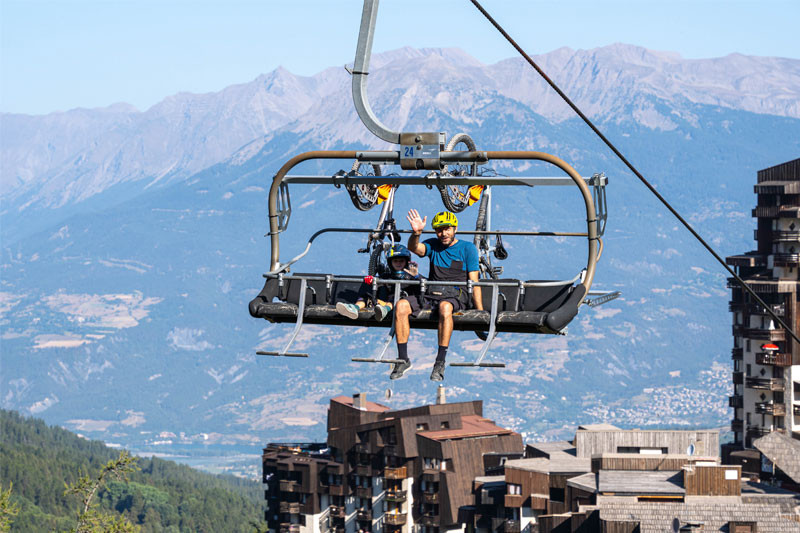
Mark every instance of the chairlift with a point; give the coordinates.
(461, 178)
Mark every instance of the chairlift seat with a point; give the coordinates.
(543, 309)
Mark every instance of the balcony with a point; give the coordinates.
(777, 359)
(338, 512)
(391, 450)
(337, 490)
(785, 236)
(755, 309)
(363, 492)
(430, 497)
(514, 500)
(290, 508)
(395, 519)
(510, 526)
(738, 378)
(290, 528)
(755, 432)
(737, 425)
(770, 384)
(796, 410)
(504, 525)
(364, 515)
(429, 519)
(737, 354)
(365, 470)
(430, 474)
(395, 473)
(735, 401)
(361, 447)
(774, 335)
(786, 260)
(395, 495)
(287, 485)
(774, 409)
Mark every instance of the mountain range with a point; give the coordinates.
(132, 242)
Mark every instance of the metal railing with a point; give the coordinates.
(774, 409)
(771, 384)
(776, 358)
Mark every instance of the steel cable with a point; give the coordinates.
(633, 169)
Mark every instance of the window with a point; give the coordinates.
(556, 495)
(445, 425)
(444, 464)
(514, 489)
(431, 463)
(422, 427)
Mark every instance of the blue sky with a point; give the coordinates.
(58, 55)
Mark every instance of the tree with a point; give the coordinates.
(90, 518)
(8, 509)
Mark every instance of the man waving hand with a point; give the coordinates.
(450, 260)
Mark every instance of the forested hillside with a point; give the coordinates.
(162, 497)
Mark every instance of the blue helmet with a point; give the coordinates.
(398, 250)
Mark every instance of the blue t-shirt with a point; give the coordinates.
(451, 263)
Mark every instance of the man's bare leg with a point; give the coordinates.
(445, 323)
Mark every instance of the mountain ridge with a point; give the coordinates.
(64, 158)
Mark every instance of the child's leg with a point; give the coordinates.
(387, 304)
(360, 303)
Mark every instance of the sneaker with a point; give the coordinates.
(400, 369)
(348, 310)
(382, 311)
(438, 371)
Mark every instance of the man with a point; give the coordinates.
(451, 260)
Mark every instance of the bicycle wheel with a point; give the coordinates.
(456, 197)
(363, 195)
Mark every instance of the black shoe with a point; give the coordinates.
(400, 369)
(438, 371)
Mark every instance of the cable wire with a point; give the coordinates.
(633, 169)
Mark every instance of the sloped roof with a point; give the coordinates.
(597, 427)
(639, 482)
(559, 462)
(783, 451)
(471, 426)
(586, 482)
(660, 517)
(371, 406)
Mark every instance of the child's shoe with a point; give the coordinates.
(382, 311)
(348, 310)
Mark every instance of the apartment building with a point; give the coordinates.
(766, 362)
(383, 470)
(445, 468)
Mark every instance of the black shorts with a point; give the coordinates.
(418, 303)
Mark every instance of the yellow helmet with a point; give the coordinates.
(444, 219)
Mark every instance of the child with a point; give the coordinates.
(401, 267)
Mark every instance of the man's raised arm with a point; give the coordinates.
(417, 225)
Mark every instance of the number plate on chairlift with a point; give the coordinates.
(420, 151)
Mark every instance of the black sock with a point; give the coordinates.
(442, 353)
(402, 350)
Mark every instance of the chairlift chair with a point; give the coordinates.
(511, 305)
